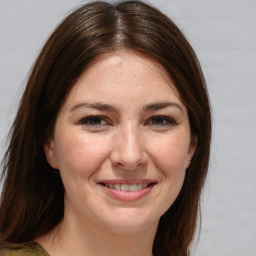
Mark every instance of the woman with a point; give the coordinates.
(110, 147)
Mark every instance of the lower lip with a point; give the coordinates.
(128, 196)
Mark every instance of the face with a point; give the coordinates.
(122, 143)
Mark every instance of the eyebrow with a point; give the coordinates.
(110, 108)
(161, 105)
(97, 105)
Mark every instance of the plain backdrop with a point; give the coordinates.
(223, 34)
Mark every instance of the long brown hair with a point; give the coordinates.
(32, 200)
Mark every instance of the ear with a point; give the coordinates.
(49, 150)
(191, 150)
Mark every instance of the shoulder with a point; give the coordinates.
(32, 249)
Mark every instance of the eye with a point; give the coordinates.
(94, 122)
(160, 121)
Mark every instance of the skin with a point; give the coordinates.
(141, 131)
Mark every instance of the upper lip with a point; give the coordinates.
(127, 181)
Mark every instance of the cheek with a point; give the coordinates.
(169, 160)
(80, 155)
(171, 155)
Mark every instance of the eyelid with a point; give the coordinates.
(170, 121)
(100, 122)
(89, 118)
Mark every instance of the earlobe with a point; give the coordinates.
(49, 150)
(192, 146)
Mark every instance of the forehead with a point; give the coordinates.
(127, 75)
(132, 61)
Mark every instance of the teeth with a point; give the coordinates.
(139, 186)
(144, 185)
(133, 187)
(127, 187)
(117, 186)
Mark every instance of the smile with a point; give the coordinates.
(127, 187)
(127, 190)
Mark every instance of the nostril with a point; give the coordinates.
(128, 156)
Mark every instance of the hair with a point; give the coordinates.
(32, 200)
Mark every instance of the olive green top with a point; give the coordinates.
(32, 249)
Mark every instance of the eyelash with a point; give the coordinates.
(92, 120)
(95, 122)
(164, 121)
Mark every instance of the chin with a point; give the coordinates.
(132, 223)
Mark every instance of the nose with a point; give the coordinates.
(128, 150)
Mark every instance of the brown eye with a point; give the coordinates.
(94, 121)
(160, 121)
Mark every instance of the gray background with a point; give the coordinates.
(223, 33)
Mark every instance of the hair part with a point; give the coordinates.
(32, 200)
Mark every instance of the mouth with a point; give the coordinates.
(127, 190)
(127, 187)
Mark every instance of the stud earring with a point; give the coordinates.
(53, 163)
(189, 162)
(55, 170)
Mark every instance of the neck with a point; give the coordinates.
(87, 238)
